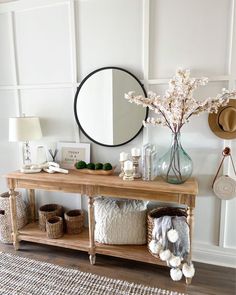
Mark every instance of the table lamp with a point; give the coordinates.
(25, 129)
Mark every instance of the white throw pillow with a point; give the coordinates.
(120, 221)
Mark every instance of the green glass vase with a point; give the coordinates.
(175, 166)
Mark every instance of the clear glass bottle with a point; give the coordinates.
(175, 166)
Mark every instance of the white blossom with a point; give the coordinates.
(178, 104)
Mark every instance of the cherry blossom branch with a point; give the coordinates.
(178, 104)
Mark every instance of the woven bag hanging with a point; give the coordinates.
(159, 212)
(5, 216)
(224, 186)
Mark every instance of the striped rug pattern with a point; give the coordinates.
(24, 276)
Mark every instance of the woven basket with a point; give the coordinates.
(54, 227)
(5, 216)
(159, 212)
(74, 221)
(48, 211)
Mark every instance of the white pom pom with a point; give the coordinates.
(155, 247)
(188, 270)
(165, 255)
(176, 274)
(172, 235)
(152, 245)
(175, 261)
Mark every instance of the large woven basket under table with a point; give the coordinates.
(159, 212)
(5, 216)
(54, 227)
(47, 211)
(74, 221)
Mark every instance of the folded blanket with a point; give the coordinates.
(163, 224)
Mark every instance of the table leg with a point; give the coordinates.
(190, 220)
(14, 218)
(92, 256)
(32, 204)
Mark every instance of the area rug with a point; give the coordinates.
(24, 276)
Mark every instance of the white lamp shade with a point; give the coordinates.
(24, 129)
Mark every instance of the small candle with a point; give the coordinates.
(123, 156)
(135, 152)
(128, 165)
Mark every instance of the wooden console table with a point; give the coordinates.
(92, 186)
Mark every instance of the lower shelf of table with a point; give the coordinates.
(32, 233)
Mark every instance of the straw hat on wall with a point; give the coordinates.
(223, 123)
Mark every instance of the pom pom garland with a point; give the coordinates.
(175, 261)
(155, 246)
(170, 241)
(176, 274)
(172, 235)
(188, 270)
(165, 255)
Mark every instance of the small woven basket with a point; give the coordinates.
(74, 221)
(47, 211)
(54, 227)
(159, 212)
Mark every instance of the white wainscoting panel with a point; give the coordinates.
(109, 33)
(7, 76)
(207, 253)
(192, 34)
(9, 151)
(43, 45)
(207, 218)
(55, 109)
(230, 231)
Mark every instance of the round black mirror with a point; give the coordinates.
(102, 112)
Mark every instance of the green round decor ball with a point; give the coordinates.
(107, 166)
(98, 166)
(80, 165)
(91, 166)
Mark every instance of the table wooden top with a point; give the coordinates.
(74, 177)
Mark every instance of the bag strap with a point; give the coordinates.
(226, 153)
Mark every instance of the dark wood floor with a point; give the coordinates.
(208, 279)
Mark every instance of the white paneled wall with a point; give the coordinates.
(48, 46)
(188, 33)
(43, 45)
(109, 33)
(54, 106)
(7, 76)
(8, 151)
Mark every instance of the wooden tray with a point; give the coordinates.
(97, 172)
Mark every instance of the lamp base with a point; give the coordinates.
(26, 153)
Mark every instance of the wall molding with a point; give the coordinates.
(220, 255)
(23, 5)
(211, 254)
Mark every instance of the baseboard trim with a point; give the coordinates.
(214, 255)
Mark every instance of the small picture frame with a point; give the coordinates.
(71, 152)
